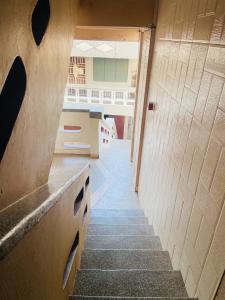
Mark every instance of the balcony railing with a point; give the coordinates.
(90, 95)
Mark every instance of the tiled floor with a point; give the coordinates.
(112, 184)
(111, 176)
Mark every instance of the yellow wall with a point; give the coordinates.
(127, 13)
(182, 182)
(28, 156)
(107, 33)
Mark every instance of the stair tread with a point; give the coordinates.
(118, 220)
(122, 242)
(125, 259)
(96, 229)
(140, 283)
(117, 212)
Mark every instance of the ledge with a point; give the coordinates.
(94, 113)
(19, 218)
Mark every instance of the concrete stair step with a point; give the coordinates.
(118, 220)
(138, 283)
(122, 242)
(96, 229)
(126, 298)
(117, 213)
(125, 259)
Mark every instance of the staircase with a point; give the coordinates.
(123, 259)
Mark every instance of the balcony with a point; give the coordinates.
(91, 95)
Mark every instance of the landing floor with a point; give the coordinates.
(111, 176)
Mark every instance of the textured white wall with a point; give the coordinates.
(182, 183)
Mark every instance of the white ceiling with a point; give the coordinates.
(108, 49)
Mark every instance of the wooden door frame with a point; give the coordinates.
(141, 36)
(145, 105)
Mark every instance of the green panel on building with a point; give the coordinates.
(98, 69)
(110, 69)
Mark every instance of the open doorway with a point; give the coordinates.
(104, 102)
(102, 78)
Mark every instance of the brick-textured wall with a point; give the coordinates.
(182, 180)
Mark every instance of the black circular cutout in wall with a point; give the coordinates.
(11, 99)
(40, 20)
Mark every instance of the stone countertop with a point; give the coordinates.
(20, 217)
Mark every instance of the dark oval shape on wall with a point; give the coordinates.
(78, 200)
(11, 99)
(85, 213)
(87, 182)
(70, 260)
(40, 20)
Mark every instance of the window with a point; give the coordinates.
(71, 92)
(95, 93)
(107, 94)
(110, 69)
(119, 95)
(83, 93)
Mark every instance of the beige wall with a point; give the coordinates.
(182, 181)
(34, 268)
(107, 33)
(116, 13)
(89, 134)
(29, 151)
(220, 295)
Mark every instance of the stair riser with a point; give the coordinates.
(120, 230)
(116, 213)
(118, 220)
(122, 242)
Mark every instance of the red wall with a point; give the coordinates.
(119, 121)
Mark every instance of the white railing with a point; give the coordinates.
(91, 95)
